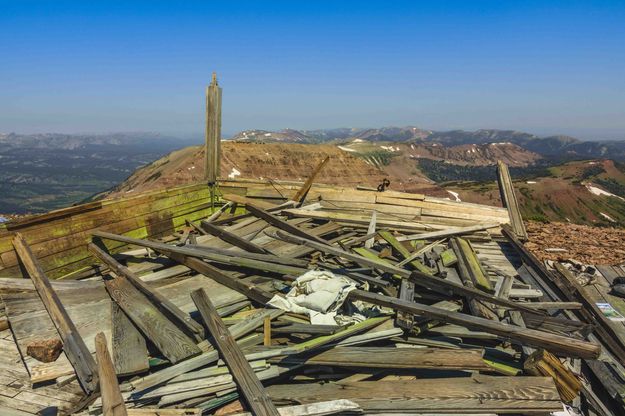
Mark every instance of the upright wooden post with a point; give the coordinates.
(213, 135)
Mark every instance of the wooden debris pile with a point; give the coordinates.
(446, 312)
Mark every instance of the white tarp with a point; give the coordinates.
(318, 294)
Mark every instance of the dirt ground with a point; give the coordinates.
(589, 245)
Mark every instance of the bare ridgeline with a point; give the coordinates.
(234, 296)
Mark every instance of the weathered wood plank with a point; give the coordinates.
(301, 194)
(509, 199)
(421, 279)
(130, 353)
(232, 238)
(464, 395)
(384, 357)
(181, 319)
(112, 401)
(554, 343)
(170, 340)
(242, 372)
(280, 223)
(73, 345)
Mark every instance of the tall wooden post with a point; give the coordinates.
(213, 135)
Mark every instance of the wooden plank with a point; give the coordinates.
(554, 343)
(568, 290)
(179, 318)
(232, 238)
(467, 256)
(317, 409)
(406, 292)
(442, 286)
(169, 340)
(281, 224)
(242, 372)
(509, 200)
(300, 196)
(356, 219)
(448, 232)
(404, 253)
(241, 286)
(477, 394)
(112, 401)
(73, 345)
(213, 256)
(164, 412)
(130, 353)
(385, 357)
(237, 330)
(371, 230)
(29, 220)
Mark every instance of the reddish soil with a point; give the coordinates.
(589, 245)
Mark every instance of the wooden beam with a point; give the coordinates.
(385, 357)
(239, 285)
(555, 343)
(472, 267)
(371, 230)
(406, 292)
(403, 252)
(213, 131)
(220, 211)
(300, 196)
(477, 395)
(77, 352)
(448, 232)
(232, 238)
(179, 318)
(232, 259)
(112, 400)
(420, 279)
(164, 334)
(243, 374)
(281, 224)
(509, 200)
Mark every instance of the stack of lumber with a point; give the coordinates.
(460, 318)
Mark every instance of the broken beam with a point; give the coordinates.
(243, 374)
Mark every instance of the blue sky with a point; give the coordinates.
(543, 67)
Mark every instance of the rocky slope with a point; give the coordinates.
(269, 161)
(589, 245)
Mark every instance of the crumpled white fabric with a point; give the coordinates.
(318, 294)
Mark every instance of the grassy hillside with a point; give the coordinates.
(571, 192)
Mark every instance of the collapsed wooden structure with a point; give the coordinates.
(149, 293)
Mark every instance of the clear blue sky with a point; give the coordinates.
(89, 66)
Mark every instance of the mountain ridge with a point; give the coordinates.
(561, 146)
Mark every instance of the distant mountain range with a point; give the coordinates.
(561, 147)
(40, 172)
